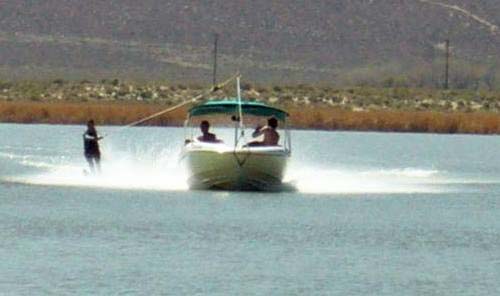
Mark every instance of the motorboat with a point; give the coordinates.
(231, 162)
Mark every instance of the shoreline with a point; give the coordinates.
(302, 117)
(392, 109)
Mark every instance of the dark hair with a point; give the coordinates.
(272, 122)
(205, 123)
(90, 122)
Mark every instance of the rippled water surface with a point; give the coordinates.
(373, 214)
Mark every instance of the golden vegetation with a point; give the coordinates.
(396, 121)
(78, 113)
(311, 106)
(327, 118)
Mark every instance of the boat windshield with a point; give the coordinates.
(224, 126)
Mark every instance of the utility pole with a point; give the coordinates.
(447, 66)
(216, 37)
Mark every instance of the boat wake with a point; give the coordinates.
(375, 181)
(162, 172)
(125, 171)
(118, 176)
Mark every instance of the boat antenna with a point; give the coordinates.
(240, 111)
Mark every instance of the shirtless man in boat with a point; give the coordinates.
(206, 135)
(271, 136)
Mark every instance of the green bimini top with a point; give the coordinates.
(231, 107)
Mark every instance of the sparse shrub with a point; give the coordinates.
(5, 85)
(277, 88)
(388, 82)
(262, 90)
(246, 86)
(401, 93)
(146, 94)
(398, 81)
(305, 87)
(34, 98)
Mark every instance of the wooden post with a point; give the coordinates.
(447, 66)
(216, 37)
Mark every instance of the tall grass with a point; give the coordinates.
(79, 113)
(327, 118)
(396, 121)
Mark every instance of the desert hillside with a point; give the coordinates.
(329, 41)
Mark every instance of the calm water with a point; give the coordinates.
(373, 214)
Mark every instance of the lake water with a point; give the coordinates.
(373, 214)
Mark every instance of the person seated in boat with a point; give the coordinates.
(206, 135)
(269, 133)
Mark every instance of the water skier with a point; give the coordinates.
(91, 147)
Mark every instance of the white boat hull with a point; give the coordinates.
(213, 166)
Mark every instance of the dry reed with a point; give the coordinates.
(327, 118)
(78, 113)
(396, 121)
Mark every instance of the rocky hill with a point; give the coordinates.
(361, 41)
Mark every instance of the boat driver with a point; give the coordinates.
(271, 136)
(206, 135)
